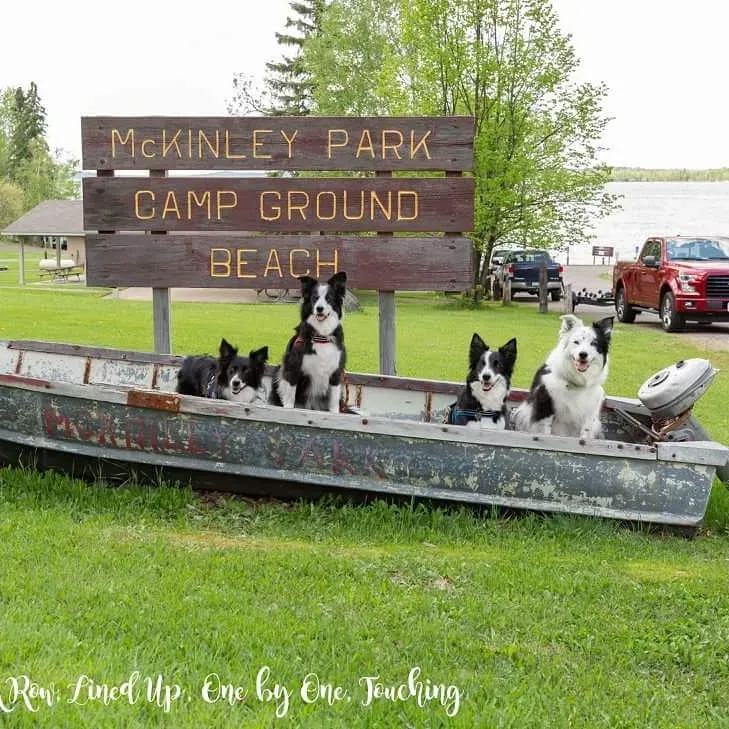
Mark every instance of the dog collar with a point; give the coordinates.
(318, 340)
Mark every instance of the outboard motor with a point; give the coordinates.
(670, 396)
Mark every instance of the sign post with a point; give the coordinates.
(210, 231)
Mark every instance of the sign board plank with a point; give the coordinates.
(256, 262)
(277, 143)
(280, 205)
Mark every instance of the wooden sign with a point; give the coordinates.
(275, 204)
(220, 208)
(604, 251)
(277, 143)
(257, 262)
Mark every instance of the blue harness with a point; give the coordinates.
(462, 417)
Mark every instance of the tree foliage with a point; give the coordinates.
(504, 62)
(26, 163)
(288, 86)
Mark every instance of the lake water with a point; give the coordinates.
(657, 208)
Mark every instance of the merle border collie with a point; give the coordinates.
(229, 377)
(566, 395)
(482, 402)
(310, 374)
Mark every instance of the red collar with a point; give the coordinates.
(317, 339)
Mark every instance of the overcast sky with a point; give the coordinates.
(663, 60)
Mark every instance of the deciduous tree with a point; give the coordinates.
(507, 63)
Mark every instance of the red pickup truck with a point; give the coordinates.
(683, 278)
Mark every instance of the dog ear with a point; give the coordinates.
(227, 350)
(477, 348)
(338, 281)
(508, 352)
(605, 326)
(569, 322)
(259, 355)
(307, 284)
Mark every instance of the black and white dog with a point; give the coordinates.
(566, 395)
(482, 402)
(310, 375)
(229, 377)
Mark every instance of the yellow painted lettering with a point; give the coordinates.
(257, 144)
(220, 260)
(127, 140)
(402, 195)
(272, 212)
(215, 150)
(330, 140)
(301, 207)
(241, 262)
(345, 206)
(394, 147)
(145, 142)
(273, 263)
(221, 205)
(189, 144)
(375, 200)
(192, 199)
(319, 213)
(365, 144)
(294, 273)
(171, 206)
(290, 141)
(138, 207)
(422, 143)
(167, 146)
(228, 153)
(333, 265)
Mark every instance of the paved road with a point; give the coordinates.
(595, 278)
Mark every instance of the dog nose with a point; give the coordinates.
(486, 377)
(319, 309)
(583, 355)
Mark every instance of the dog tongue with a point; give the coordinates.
(582, 366)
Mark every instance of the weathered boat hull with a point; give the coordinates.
(85, 408)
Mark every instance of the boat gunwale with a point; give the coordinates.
(412, 384)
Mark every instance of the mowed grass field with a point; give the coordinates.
(512, 622)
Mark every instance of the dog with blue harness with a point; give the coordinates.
(482, 402)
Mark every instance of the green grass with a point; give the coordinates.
(560, 622)
(538, 622)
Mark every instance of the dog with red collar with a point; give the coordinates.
(310, 375)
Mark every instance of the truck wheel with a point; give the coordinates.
(623, 310)
(556, 295)
(671, 320)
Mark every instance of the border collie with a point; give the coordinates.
(482, 402)
(229, 377)
(310, 374)
(566, 395)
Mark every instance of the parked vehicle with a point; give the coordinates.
(683, 278)
(522, 268)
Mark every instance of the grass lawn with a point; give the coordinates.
(527, 622)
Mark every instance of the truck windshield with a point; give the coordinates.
(697, 249)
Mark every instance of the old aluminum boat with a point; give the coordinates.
(93, 411)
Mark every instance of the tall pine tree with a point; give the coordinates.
(289, 84)
(27, 124)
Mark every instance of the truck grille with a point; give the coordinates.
(717, 286)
